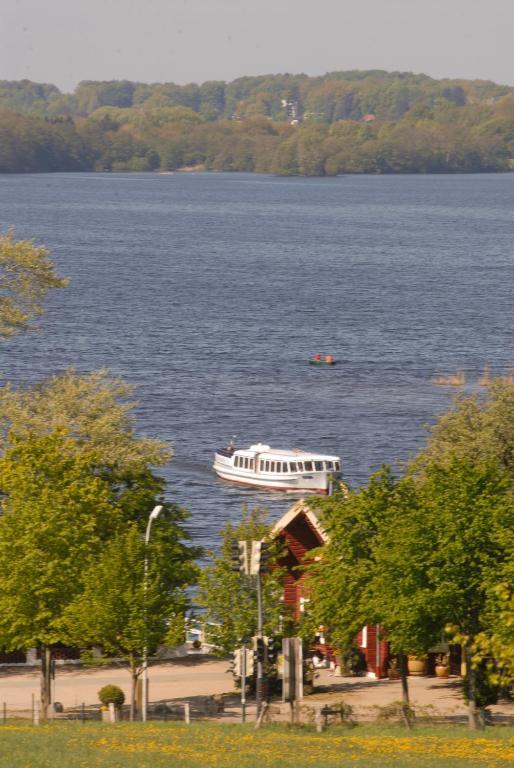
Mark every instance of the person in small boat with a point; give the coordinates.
(317, 356)
(329, 359)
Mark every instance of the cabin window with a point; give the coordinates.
(236, 461)
(251, 464)
(261, 465)
(247, 463)
(272, 466)
(300, 466)
(308, 466)
(292, 466)
(279, 466)
(337, 466)
(329, 465)
(318, 466)
(267, 466)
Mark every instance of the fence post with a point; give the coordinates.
(5, 713)
(83, 712)
(36, 712)
(187, 718)
(318, 719)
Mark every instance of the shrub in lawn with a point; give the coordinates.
(111, 694)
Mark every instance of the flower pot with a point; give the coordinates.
(442, 670)
(416, 666)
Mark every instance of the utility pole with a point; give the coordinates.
(243, 683)
(260, 645)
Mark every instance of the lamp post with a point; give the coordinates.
(154, 514)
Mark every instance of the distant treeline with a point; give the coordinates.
(343, 122)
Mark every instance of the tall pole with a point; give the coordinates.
(154, 514)
(243, 683)
(258, 692)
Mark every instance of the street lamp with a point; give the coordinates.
(154, 514)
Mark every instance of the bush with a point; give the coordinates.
(111, 694)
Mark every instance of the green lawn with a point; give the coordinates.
(211, 745)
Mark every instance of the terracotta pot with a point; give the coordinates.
(442, 671)
(416, 666)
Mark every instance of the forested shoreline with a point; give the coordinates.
(342, 122)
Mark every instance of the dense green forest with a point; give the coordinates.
(342, 122)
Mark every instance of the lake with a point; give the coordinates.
(210, 291)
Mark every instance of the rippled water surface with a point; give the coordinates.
(210, 291)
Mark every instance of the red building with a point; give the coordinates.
(301, 532)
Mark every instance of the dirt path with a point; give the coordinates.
(188, 679)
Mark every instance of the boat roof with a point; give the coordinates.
(280, 453)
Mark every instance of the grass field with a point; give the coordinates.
(210, 745)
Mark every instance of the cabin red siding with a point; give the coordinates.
(300, 537)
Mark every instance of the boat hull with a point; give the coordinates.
(309, 482)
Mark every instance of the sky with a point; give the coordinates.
(66, 41)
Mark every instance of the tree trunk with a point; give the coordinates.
(402, 663)
(406, 708)
(133, 687)
(470, 673)
(45, 680)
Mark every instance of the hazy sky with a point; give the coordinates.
(65, 41)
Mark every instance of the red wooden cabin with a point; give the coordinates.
(301, 532)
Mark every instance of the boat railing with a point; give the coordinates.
(228, 452)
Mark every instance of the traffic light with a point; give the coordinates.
(255, 559)
(274, 648)
(260, 649)
(237, 665)
(236, 669)
(249, 662)
(240, 556)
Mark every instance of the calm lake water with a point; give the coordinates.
(210, 291)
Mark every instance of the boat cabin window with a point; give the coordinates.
(292, 466)
(250, 464)
(318, 466)
(308, 466)
(272, 466)
(279, 466)
(300, 466)
(262, 464)
(329, 465)
(267, 466)
(236, 461)
(284, 466)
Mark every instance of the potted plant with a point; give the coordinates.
(111, 694)
(442, 665)
(416, 665)
(393, 672)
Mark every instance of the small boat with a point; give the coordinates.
(278, 469)
(322, 360)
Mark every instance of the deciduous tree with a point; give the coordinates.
(26, 276)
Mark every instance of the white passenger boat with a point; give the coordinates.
(277, 469)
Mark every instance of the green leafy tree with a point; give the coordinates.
(26, 276)
(479, 428)
(94, 408)
(55, 513)
(119, 610)
(229, 598)
(468, 509)
(422, 556)
(357, 591)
